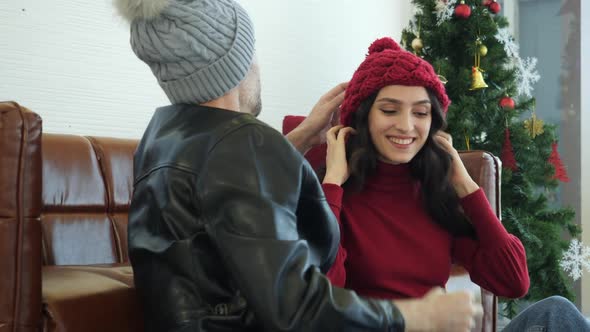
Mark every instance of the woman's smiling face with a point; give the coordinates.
(399, 122)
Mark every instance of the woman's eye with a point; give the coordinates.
(421, 114)
(389, 111)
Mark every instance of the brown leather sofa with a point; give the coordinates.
(63, 217)
(63, 229)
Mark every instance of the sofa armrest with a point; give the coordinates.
(20, 208)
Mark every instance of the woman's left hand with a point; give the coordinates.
(460, 179)
(337, 171)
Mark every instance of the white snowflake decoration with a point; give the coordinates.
(416, 10)
(444, 10)
(526, 75)
(482, 137)
(526, 70)
(576, 259)
(505, 38)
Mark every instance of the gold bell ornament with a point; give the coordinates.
(417, 43)
(477, 81)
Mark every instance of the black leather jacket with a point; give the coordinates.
(229, 230)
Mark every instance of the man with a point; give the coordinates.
(228, 226)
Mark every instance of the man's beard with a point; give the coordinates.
(251, 102)
(257, 108)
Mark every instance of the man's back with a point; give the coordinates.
(178, 273)
(229, 230)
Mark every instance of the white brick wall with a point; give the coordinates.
(70, 60)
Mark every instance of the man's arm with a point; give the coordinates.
(250, 194)
(324, 115)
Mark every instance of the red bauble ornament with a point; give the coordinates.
(506, 103)
(486, 2)
(494, 7)
(462, 11)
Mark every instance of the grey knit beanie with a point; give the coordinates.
(197, 49)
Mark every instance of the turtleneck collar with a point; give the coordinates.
(389, 176)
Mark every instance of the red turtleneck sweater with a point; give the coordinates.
(390, 247)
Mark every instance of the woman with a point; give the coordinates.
(407, 207)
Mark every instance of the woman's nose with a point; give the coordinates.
(404, 122)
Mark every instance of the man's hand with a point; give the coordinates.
(324, 115)
(441, 312)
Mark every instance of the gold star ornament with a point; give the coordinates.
(534, 126)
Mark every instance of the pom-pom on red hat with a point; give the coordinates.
(388, 64)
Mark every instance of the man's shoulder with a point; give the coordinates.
(185, 137)
(198, 123)
(248, 131)
(253, 140)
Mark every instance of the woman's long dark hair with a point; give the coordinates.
(431, 167)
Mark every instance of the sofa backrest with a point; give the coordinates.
(87, 186)
(485, 169)
(64, 201)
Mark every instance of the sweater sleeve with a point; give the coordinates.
(496, 260)
(337, 273)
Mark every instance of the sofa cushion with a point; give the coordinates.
(72, 179)
(115, 156)
(90, 298)
(87, 187)
(81, 238)
(120, 221)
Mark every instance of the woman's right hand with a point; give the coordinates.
(337, 171)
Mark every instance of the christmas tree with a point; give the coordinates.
(493, 109)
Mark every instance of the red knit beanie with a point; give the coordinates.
(388, 64)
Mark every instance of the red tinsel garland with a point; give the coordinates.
(555, 160)
(507, 156)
